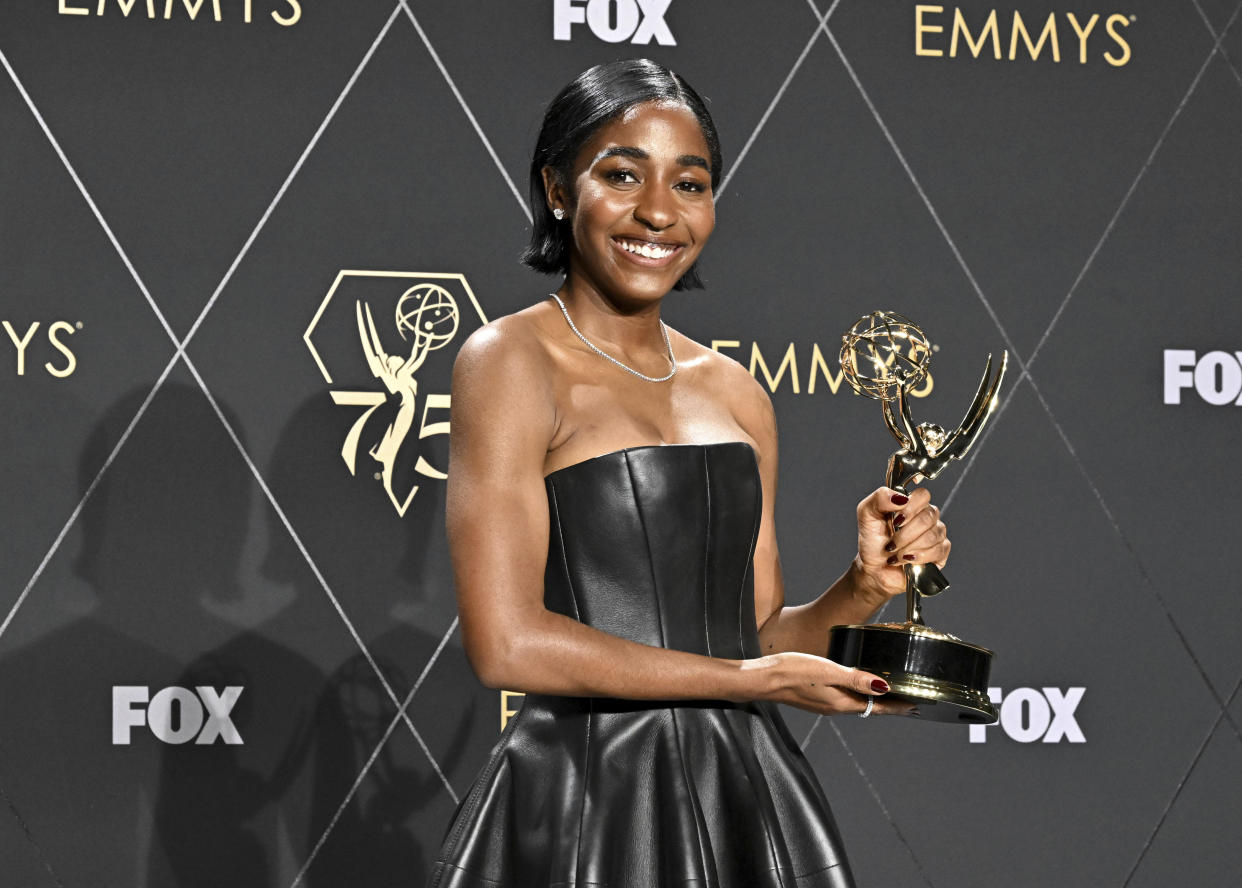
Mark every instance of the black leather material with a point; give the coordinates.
(653, 544)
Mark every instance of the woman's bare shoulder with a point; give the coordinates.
(726, 379)
(504, 405)
(512, 344)
(723, 374)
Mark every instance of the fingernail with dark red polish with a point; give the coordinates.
(891, 547)
(880, 686)
(900, 499)
(892, 559)
(908, 557)
(900, 519)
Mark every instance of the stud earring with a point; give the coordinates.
(559, 214)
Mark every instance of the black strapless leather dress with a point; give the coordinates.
(653, 544)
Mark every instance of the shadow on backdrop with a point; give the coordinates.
(389, 574)
(164, 535)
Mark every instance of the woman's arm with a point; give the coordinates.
(504, 415)
(874, 576)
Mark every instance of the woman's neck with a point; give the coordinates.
(629, 326)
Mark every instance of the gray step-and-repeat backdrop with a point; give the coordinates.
(228, 644)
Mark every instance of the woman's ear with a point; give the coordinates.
(554, 191)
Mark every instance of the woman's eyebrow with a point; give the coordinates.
(621, 151)
(639, 154)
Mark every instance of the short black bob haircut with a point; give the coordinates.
(592, 99)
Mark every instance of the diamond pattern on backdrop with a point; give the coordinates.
(214, 133)
(1230, 43)
(1216, 13)
(1214, 783)
(508, 93)
(1160, 502)
(388, 831)
(400, 765)
(56, 266)
(1062, 617)
(862, 813)
(998, 145)
(458, 717)
(25, 863)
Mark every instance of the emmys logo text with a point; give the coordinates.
(638, 21)
(1216, 377)
(810, 373)
(938, 36)
(283, 12)
(29, 343)
(1030, 714)
(175, 715)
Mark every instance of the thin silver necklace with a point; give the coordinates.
(603, 354)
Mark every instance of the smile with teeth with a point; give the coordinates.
(647, 250)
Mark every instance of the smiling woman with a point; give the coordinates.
(600, 96)
(614, 544)
(639, 209)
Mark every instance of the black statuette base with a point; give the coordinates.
(946, 678)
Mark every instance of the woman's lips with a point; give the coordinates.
(648, 253)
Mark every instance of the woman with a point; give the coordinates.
(610, 509)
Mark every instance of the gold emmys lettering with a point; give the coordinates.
(52, 334)
(187, 9)
(1020, 38)
(787, 375)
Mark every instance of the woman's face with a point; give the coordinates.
(640, 202)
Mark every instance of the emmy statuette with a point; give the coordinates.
(884, 356)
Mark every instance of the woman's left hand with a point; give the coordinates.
(895, 529)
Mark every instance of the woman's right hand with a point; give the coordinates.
(821, 685)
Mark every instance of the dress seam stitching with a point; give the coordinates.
(586, 781)
(754, 534)
(560, 535)
(755, 791)
(694, 799)
(471, 802)
(707, 550)
(638, 507)
(586, 749)
(750, 560)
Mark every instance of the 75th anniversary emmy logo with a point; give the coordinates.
(385, 342)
